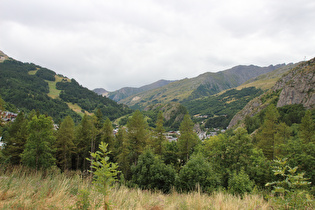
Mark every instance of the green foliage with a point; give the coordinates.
(159, 138)
(137, 135)
(170, 154)
(15, 139)
(151, 173)
(28, 92)
(188, 139)
(223, 106)
(291, 114)
(198, 171)
(83, 200)
(39, 152)
(233, 153)
(266, 139)
(46, 74)
(240, 183)
(90, 101)
(107, 132)
(64, 143)
(105, 172)
(122, 152)
(289, 191)
(307, 128)
(84, 141)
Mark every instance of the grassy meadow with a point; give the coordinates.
(24, 188)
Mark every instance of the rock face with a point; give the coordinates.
(298, 86)
(295, 87)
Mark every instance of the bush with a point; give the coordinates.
(290, 189)
(152, 173)
(239, 183)
(196, 172)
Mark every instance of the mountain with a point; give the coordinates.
(203, 85)
(268, 80)
(29, 86)
(101, 91)
(125, 92)
(294, 87)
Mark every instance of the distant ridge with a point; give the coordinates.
(203, 85)
(128, 91)
(101, 91)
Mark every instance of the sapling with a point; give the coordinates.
(105, 172)
(289, 192)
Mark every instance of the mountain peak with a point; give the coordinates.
(101, 91)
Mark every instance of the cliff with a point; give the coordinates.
(295, 87)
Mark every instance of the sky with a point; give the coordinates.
(122, 43)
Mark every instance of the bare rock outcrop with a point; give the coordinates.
(295, 87)
(298, 86)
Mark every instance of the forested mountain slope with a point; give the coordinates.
(203, 85)
(294, 87)
(29, 86)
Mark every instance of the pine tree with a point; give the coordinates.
(38, 152)
(188, 139)
(64, 142)
(137, 135)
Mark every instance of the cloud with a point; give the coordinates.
(113, 44)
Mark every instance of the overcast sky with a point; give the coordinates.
(114, 44)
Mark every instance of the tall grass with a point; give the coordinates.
(23, 188)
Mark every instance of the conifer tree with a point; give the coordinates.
(1, 104)
(122, 152)
(137, 135)
(267, 137)
(307, 128)
(98, 131)
(108, 135)
(188, 139)
(84, 137)
(38, 152)
(159, 140)
(64, 142)
(16, 139)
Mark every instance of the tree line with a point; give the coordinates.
(235, 160)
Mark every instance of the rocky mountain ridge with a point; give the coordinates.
(125, 92)
(294, 87)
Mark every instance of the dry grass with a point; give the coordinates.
(22, 188)
(263, 84)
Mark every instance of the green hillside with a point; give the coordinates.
(204, 85)
(29, 86)
(217, 110)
